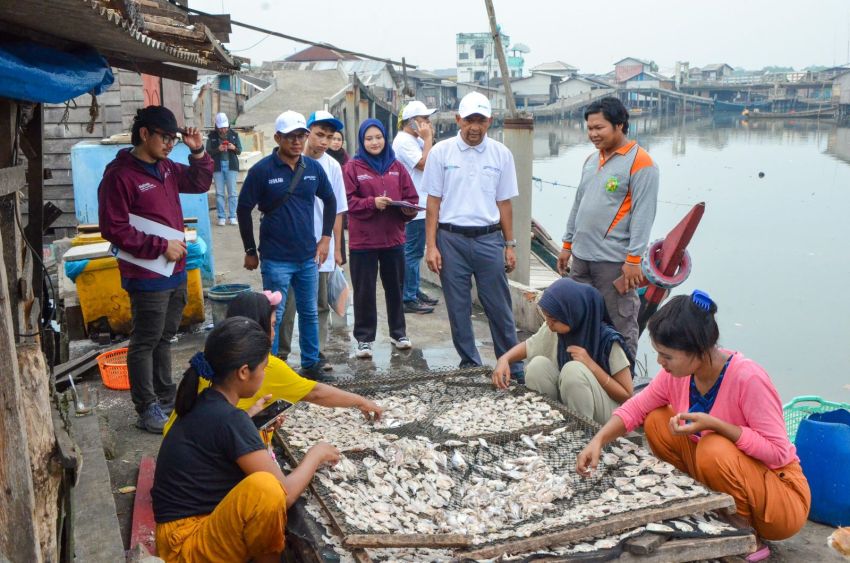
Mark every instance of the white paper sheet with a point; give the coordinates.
(160, 264)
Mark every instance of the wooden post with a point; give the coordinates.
(519, 138)
(500, 54)
(18, 539)
(35, 182)
(350, 115)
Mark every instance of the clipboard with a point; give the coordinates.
(160, 264)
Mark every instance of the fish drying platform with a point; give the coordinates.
(457, 470)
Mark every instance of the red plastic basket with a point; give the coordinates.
(113, 369)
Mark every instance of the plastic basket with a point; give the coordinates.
(113, 369)
(801, 407)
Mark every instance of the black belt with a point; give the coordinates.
(471, 231)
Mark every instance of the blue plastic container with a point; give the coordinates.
(823, 444)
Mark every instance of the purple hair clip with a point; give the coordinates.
(702, 300)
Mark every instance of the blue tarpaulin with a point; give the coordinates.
(35, 73)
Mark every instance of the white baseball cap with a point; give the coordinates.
(474, 102)
(221, 121)
(290, 121)
(416, 109)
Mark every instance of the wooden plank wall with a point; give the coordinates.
(118, 106)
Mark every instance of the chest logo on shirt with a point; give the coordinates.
(362, 177)
(611, 184)
(146, 186)
(392, 173)
(451, 167)
(309, 177)
(273, 181)
(492, 169)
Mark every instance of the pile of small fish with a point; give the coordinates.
(348, 429)
(492, 413)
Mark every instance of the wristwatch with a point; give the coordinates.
(198, 150)
(511, 243)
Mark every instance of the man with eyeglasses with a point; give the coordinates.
(143, 181)
(470, 180)
(284, 186)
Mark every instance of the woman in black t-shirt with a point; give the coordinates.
(217, 494)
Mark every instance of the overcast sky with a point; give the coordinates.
(590, 35)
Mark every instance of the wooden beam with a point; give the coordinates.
(18, 541)
(169, 31)
(12, 179)
(407, 540)
(610, 525)
(33, 142)
(695, 549)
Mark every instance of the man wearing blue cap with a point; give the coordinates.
(322, 126)
(284, 186)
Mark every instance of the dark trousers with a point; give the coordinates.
(623, 309)
(155, 319)
(364, 266)
(483, 257)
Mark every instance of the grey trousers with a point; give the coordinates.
(575, 386)
(623, 309)
(284, 339)
(484, 258)
(155, 319)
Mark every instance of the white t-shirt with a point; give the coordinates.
(334, 172)
(408, 150)
(470, 180)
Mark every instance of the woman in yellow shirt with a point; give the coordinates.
(281, 381)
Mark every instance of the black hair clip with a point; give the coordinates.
(702, 300)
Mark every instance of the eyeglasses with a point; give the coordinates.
(167, 138)
(292, 137)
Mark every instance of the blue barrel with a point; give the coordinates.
(823, 444)
(221, 295)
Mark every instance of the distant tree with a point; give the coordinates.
(815, 68)
(653, 67)
(778, 69)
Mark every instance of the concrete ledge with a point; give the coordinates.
(97, 536)
(523, 299)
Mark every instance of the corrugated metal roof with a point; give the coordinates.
(91, 22)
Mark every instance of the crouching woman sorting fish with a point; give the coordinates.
(577, 356)
(715, 415)
(217, 494)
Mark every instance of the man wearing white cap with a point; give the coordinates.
(322, 126)
(411, 146)
(224, 147)
(284, 186)
(470, 181)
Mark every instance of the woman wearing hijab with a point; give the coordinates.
(576, 357)
(374, 180)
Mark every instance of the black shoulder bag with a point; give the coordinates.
(296, 179)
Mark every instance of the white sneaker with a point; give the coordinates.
(402, 343)
(364, 350)
(221, 222)
(233, 221)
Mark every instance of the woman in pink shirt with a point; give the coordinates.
(715, 415)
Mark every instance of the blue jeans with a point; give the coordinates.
(304, 278)
(414, 250)
(225, 186)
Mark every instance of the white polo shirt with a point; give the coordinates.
(470, 180)
(408, 150)
(334, 172)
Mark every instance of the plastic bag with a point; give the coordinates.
(338, 291)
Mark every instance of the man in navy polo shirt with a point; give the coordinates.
(288, 247)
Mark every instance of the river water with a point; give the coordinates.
(771, 251)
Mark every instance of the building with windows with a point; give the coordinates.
(477, 60)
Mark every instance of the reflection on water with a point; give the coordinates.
(772, 251)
